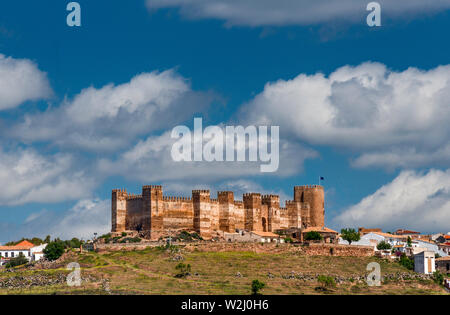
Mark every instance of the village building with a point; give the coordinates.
(406, 232)
(27, 249)
(443, 239)
(363, 231)
(445, 247)
(253, 237)
(424, 262)
(328, 235)
(443, 264)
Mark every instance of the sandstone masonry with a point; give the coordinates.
(156, 214)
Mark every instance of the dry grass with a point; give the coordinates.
(152, 271)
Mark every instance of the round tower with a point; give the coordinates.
(315, 197)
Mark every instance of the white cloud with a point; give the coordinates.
(108, 118)
(151, 160)
(368, 109)
(294, 12)
(84, 219)
(413, 200)
(26, 176)
(21, 81)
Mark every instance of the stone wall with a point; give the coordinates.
(157, 214)
(310, 250)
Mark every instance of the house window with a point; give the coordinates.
(6, 255)
(448, 267)
(12, 254)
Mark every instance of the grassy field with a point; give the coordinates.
(152, 271)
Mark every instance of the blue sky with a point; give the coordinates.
(366, 108)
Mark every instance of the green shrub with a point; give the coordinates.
(257, 286)
(350, 235)
(124, 234)
(406, 262)
(383, 245)
(326, 281)
(438, 277)
(288, 240)
(183, 270)
(54, 250)
(131, 240)
(313, 236)
(17, 261)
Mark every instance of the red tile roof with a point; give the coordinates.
(24, 245)
(318, 229)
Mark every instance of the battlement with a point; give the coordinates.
(201, 191)
(154, 213)
(159, 187)
(252, 195)
(270, 197)
(178, 199)
(133, 196)
(119, 191)
(309, 187)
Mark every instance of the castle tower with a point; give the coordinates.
(305, 215)
(118, 210)
(314, 196)
(294, 209)
(153, 209)
(252, 206)
(226, 211)
(273, 204)
(202, 212)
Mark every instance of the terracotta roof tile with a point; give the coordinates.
(24, 245)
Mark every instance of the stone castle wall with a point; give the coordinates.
(160, 215)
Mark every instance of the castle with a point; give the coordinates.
(156, 214)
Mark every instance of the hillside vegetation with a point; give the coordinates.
(157, 271)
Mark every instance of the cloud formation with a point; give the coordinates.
(108, 118)
(28, 176)
(21, 81)
(150, 160)
(391, 118)
(294, 12)
(414, 200)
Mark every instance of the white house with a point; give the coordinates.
(29, 251)
(374, 238)
(424, 262)
(253, 236)
(430, 247)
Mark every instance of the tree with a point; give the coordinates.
(47, 239)
(313, 236)
(383, 245)
(350, 235)
(406, 262)
(257, 286)
(184, 270)
(409, 242)
(54, 250)
(17, 261)
(326, 281)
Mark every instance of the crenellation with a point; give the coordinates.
(155, 214)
